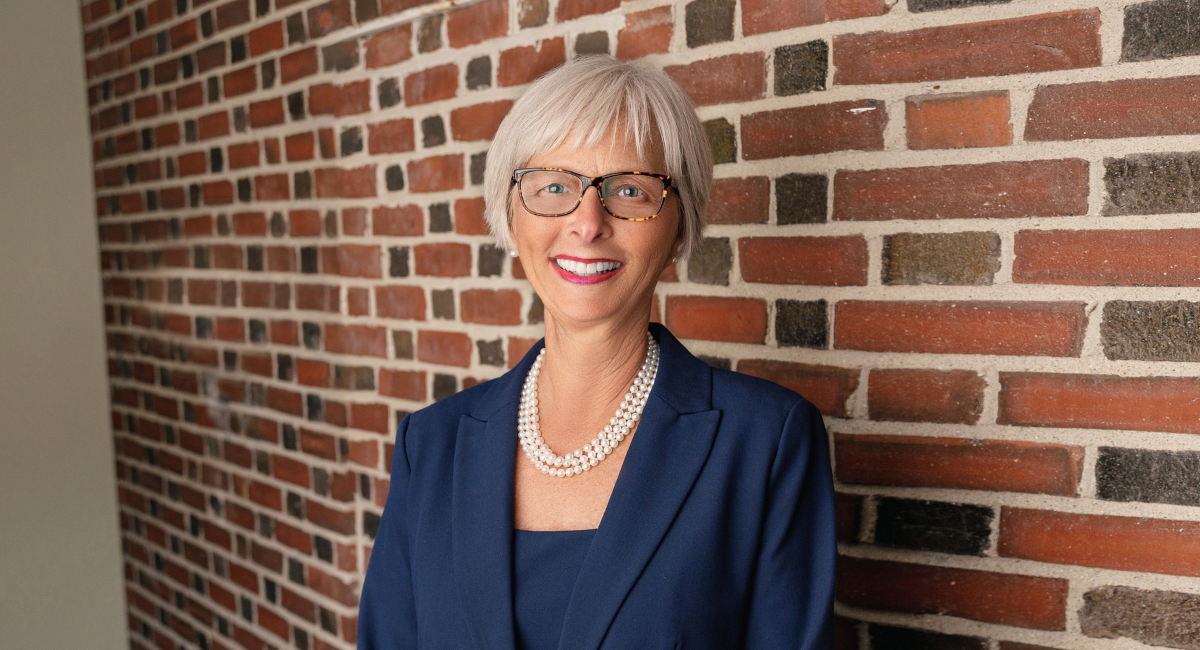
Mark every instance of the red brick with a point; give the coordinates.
(572, 9)
(266, 38)
(257, 363)
(166, 135)
(353, 98)
(1039, 188)
(468, 217)
(366, 452)
(243, 155)
(201, 292)
(285, 401)
(1127, 108)
(369, 417)
(272, 187)
(478, 122)
(322, 100)
(250, 224)
(267, 112)
(490, 306)
(358, 301)
(398, 221)
(318, 444)
(232, 14)
(1100, 402)
(225, 256)
(210, 56)
(189, 96)
(1058, 41)
(390, 47)
(821, 261)
(335, 182)
(400, 302)
(431, 85)
(477, 23)
(359, 261)
(330, 586)
(808, 130)
(759, 16)
(145, 107)
(240, 82)
(1007, 328)
(357, 340)
(289, 470)
(732, 78)
(284, 332)
(827, 387)
(847, 508)
(521, 65)
(329, 518)
(1001, 598)
(443, 260)
(304, 223)
(395, 136)
(298, 65)
(192, 164)
(212, 125)
(739, 200)
(957, 464)
(256, 294)
(299, 146)
(958, 121)
(310, 372)
(318, 297)
(444, 348)
(436, 173)
(946, 396)
(646, 32)
(329, 17)
(1105, 542)
(403, 384)
(141, 49)
(1107, 257)
(709, 318)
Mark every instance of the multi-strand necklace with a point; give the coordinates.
(581, 460)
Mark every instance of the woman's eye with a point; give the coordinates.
(629, 192)
(554, 188)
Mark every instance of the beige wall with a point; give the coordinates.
(60, 565)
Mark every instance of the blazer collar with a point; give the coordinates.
(673, 441)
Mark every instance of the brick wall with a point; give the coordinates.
(964, 229)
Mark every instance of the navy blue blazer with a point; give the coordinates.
(719, 532)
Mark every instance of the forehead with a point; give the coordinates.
(615, 153)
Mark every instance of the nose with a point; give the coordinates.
(590, 221)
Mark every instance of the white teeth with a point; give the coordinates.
(584, 270)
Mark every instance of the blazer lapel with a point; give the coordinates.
(666, 455)
(482, 510)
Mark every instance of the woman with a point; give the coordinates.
(611, 491)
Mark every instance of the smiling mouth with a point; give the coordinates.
(586, 269)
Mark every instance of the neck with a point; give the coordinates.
(588, 370)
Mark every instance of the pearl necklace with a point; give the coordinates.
(605, 442)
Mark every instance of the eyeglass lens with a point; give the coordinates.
(631, 196)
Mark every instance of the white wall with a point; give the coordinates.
(60, 569)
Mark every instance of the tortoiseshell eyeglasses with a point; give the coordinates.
(632, 196)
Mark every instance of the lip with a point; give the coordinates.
(578, 279)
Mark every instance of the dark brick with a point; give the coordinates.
(885, 637)
(479, 73)
(352, 141)
(1161, 29)
(365, 10)
(1148, 476)
(429, 34)
(936, 526)
(802, 323)
(439, 218)
(340, 56)
(389, 92)
(394, 177)
(917, 6)
(711, 261)
(709, 21)
(801, 68)
(402, 341)
(961, 258)
(532, 13)
(1152, 183)
(444, 386)
(398, 261)
(537, 311)
(302, 185)
(719, 363)
(443, 303)
(1151, 331)
(312, 335)
(267, 70)
(591, 43)
(801, 198)
(722, 138)
(491, 260)
(478, 165)
(295, 29)
(491, 353)
(433, 131)
(1156, 618)
(295, 102)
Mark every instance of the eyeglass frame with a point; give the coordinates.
(591, 181)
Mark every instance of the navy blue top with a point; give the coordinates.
(545, 567)
(719, 532)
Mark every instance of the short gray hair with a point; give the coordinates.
(586, 99)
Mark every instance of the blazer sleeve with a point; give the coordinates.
(791, 605)
(387, 612)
